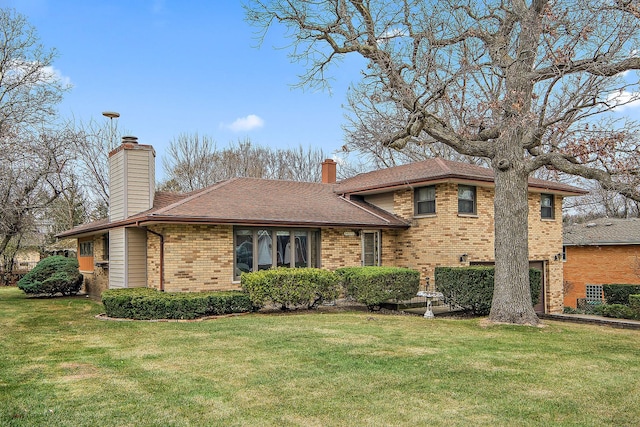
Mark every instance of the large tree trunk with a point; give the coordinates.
(512, 295)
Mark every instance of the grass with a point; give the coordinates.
(60, 366)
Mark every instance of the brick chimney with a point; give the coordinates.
(329, 171)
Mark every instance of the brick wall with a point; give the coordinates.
(441, 239)
(196, 258)
(606, 265)
(338, 250)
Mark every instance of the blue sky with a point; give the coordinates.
(172, 66)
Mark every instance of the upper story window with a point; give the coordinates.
(546, 206)
(425, 200)
(466, 199)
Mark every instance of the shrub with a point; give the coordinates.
(51, 276)
(374, 285)
(619, 293)
(472, 287)
(634, 304)
(290, 287)
(146, 303)
(619, 311)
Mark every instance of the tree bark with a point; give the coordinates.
(512, 296)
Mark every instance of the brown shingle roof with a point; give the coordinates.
(261, 201)
(603, 231)
(434, 170)
(161, 200)
(253, 201)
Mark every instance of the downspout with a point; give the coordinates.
(161, 237)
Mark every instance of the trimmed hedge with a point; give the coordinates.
(619, 293)
(290, 287)
(618, 311)
(375, 285)
(634, 303)
(51, 276)
(472, 287)
(148, 304)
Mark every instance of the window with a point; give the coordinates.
(546, 206)
(370, 248)
(86, 248)
(264, 248)
(425, 200)
(466, 199)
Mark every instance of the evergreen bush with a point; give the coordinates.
(471, 288)
(147, 304)
(290, 287)
(52, 276)
(619, 293)
(375, 285)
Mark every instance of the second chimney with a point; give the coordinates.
(329, 171)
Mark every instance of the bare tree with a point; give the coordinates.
(30, 166)
(519, 83)
(32, 150)
(189, 162)
(193, 162)
(93, 140)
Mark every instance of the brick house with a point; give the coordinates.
(421, 215)
(599, 252)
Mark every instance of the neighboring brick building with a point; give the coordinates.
(599, 252)
(422, 215)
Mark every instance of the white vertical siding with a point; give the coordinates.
(383, 201)
(139, 181)
(136, 257)
(117, 267)
(116, 187)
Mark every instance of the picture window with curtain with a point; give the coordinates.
(425, 200)
(466, 199)
(546, 206)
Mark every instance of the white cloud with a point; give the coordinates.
(53, 74)
(245, 123)
(624, 100)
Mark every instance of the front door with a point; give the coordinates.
(539, 265)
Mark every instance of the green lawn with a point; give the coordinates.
(59, 366)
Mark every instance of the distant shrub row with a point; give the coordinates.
(621, 301)
(146, 303)
(472, 287)
(308, 287)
